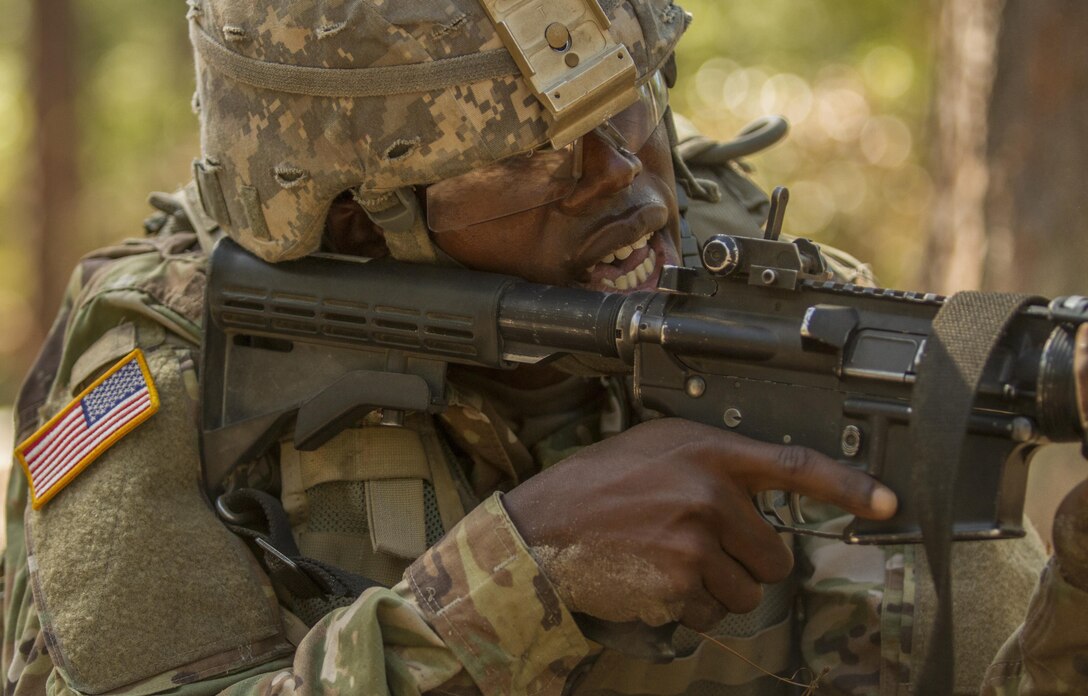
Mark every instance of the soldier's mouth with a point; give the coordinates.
(633, 267)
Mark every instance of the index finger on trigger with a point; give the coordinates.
(806, 471)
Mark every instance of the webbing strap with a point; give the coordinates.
(964, 334)
(207, 230)
(400, 216)
(316, 587)
(352, 82)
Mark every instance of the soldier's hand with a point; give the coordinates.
(657, 524)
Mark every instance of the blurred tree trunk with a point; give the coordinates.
(1011, 147)
(1038, 160)
(966, 62)
(52, 61)
(1038, 150)
(1011, 161)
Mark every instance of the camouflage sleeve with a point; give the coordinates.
(378, 645)
(1048, 654)
(491, 623)
(494, 608)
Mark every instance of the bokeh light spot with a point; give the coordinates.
(812, 207)
(886, 141)
(788, 95)
(842, 112)
(888, 71)
(848, 185)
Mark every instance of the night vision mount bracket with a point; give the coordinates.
(565, 51)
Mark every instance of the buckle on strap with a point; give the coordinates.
(287, 573)
(566, 53)
(401, 218)
(259, 519)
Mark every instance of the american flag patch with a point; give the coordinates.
(101, 415)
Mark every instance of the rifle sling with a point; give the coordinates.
(965, 333)
(314, 588)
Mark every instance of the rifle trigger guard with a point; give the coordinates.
(795, 509)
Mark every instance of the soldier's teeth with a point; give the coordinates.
(632, 279)
(621, 283)
(648, 265)
(641, 274)
(625, 251)
(607, 283)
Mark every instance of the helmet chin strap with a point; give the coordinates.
(699, 189)
(401, 219)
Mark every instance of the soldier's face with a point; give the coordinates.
(614, 232)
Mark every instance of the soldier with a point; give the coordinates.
(527, 138)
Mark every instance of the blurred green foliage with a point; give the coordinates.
(15, 124)
(137, 133)
(138, 129)
(852, 77)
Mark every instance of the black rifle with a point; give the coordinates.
(759, 342)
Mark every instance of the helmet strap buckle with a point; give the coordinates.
(400, 216)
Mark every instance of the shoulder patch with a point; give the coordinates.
(103, 413)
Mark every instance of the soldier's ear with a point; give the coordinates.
(349, 230)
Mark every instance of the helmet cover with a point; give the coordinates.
(300, 101)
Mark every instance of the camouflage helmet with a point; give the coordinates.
(302, 100)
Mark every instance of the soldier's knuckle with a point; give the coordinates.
(747, 598)
(690, 553)
(774, 565)
(796, 462)
(688, 585)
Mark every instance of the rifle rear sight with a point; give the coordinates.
(768, 261)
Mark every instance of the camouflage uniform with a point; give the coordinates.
(473, 613)
(128, 583)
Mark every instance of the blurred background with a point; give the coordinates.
(942, 140)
